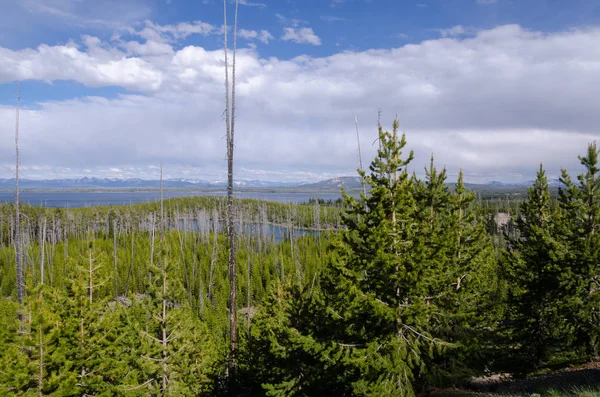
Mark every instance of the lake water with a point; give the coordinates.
(88, 199)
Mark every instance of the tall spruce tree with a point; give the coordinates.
(466, 285)
(534, 268)
(580, 206)
(393, 297)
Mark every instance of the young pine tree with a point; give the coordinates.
(23, 370)
(467, 286)
(177, 354)
(534, 271)
(580, 223)
(384, 306)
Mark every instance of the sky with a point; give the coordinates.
(111, 88)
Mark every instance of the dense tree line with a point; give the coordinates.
(409, 287)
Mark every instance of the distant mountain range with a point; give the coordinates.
(114, 183)
(551, 183)
(354, 182)
(348, 182)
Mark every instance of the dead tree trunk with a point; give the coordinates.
(132, 261)
(198, 274)
(151, 248)
(249, 286)
(213, 257)
(163, 326)
(18, 256)
(162, 214)
(230, 127)
(115, 274)
(91, 275)
(360, 155)
(163, 318)
(42, 247)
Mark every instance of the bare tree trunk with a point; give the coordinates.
(152, 243)
(115, 275)
(162, 214)
(18, 257)
(65, 243)
(282, 265)
(163, 318)
(42, 244)
(360, 155)
(199, 275)
(186, 282)
(230, 121)
(291, 234)
(163, 326)
(249, 295)
(91, 275)
(213, 258)
(52, 251)
(132, 261)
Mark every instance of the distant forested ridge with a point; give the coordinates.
(414, 286)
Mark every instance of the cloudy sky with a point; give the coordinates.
(111, 88)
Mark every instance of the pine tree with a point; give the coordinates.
(177, 353)
(17, 366)
(466, 285)
(534, 269)
(378, 287)
(384, 302)
(286, 355)
(580, 206)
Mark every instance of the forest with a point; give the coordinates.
(409, 289)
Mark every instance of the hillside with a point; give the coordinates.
(347, 182)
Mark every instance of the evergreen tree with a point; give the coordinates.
(534, 266)
(467, 281)
(287, 353)
(19, 369)
(580, 206)
(394, 296)
(176, 350)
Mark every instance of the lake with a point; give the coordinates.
(88, 199)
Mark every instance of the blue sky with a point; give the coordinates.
(112, 88)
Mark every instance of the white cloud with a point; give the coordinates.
(495, 104)
(252, 4)
(95, 67)
(456, 31)
(148, 49)
(301, 35)
(294, 22)
(175, 32)
(248, 34)
(263, 35)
